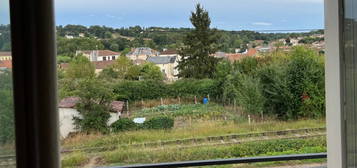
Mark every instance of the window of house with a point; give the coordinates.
(113, 57)
(104, 58)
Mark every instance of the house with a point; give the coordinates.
(248, 53)
(67, 111)
(99, 65)
(168, 52)
(220, 54)
(5, 56)
(5, 64)
(167, 66)
(99, 55)
(142, 53)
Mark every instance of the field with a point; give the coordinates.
(200, 132)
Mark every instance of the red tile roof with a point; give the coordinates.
(70, 102)
(103, 64)
(6, 64)
(97, 64)
(169, 52)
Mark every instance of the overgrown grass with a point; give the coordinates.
(194, 129)
(74, 159)
(264, 148)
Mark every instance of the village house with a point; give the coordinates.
(67, 111)
(237, 56)
(99, 55)
(5, 64)
(5, 56)
(99, 65)
(142, 53)
(167, 66)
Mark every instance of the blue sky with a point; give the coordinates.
(225, 14)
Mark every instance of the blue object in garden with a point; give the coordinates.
(205, 100)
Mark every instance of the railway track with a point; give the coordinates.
(9, 161)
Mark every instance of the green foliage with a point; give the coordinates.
(188, 111)
(161, 122)
(289, 86)
(138, 90)
(63, 59)
(193, 87)
(123, 124)
(80, 67)
(94, 105)
(199, 44)
(150, 71)
(249, 149)
(70, 46)
(7, 124)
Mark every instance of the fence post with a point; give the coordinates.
(208, 98)
(162, 102)
(195, 99)
(142, 102)
(179, 99)
(249, 119)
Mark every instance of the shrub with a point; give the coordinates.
(162, 122)
(123, 124)
(137, 90)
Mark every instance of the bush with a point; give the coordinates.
(123, 124)
(159, 123)
(138, 90)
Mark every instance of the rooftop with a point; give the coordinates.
(6, 64)
(70, 102)
(162, 60)
(143, 51)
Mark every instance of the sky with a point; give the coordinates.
(225, 14)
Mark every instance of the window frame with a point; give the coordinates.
(35, 83)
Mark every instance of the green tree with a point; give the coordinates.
(7, 131)
(94, 105)
(80, 67)
(199, 44)
(150, 71)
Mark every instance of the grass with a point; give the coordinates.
(196, 129)
(194, 121)
(265, 148)
(74, 159)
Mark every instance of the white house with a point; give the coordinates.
(99, 55)
(67, 111)
(167, 66)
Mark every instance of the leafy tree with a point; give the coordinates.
(7, 131)
(150, 71)
(199, 44)
(94, 105)
(80, 67)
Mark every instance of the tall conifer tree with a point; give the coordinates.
(199, 45)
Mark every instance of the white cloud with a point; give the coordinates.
(262, 24)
